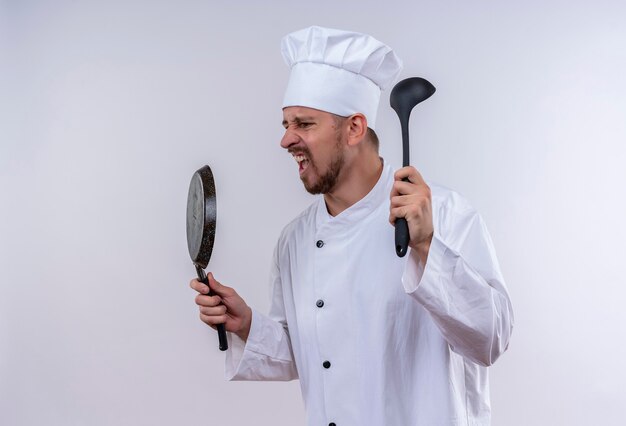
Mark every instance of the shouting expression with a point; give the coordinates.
(315, 140)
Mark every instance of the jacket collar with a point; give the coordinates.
(357, 212)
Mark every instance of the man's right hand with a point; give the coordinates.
(224, 307)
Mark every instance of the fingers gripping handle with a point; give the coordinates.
(402, 227)
(221, 329)
(402, 236)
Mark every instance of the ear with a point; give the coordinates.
(357, 128)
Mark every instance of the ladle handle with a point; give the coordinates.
(402, 228)
(221, 329)
(402, 236)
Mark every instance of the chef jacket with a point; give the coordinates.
(376, 339)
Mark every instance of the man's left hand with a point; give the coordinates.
(412, 201)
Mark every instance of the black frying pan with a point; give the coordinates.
(201, 219)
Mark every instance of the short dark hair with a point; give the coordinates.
(373, 138)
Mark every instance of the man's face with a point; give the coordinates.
(315, 141)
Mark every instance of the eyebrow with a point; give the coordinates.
(299, 120)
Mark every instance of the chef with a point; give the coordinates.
(373, 338)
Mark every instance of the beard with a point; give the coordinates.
(326, 182)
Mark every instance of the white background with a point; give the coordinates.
(108, 107)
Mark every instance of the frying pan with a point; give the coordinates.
(404, 96)
(201, 220)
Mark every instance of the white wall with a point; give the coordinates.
(107, 108)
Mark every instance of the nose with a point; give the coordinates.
(289, 138)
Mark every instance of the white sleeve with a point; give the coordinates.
(462, 288)
(267, 353)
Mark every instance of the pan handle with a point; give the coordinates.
(221, 329)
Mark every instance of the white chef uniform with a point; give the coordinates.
(376, 339)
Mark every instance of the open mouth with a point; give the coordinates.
(303, 162)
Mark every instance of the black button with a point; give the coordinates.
(332, 424)
(319, 243)
(319, 303)
(326, 364)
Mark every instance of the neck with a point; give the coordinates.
(355, 182)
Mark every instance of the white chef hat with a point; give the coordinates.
(337, 71)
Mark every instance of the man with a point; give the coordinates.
(374, 339)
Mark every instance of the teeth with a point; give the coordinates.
(299, 158)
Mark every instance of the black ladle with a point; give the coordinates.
(404, 96)
(201, 221)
